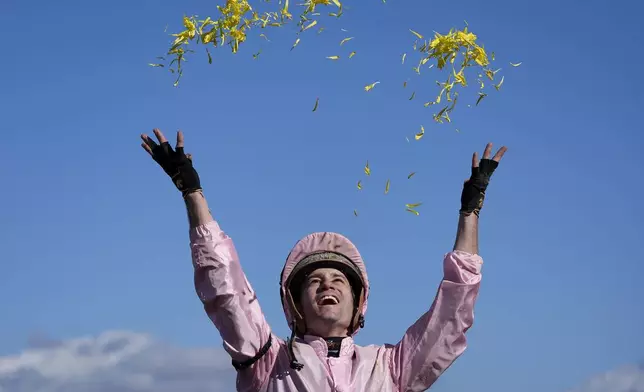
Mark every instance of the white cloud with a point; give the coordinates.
(628, 378)
(116, 361)
(119, 361)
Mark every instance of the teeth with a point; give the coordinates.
(335, 300)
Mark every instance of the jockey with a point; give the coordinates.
(324, 289)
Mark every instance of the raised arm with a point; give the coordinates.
(221, 285)
(437, 338)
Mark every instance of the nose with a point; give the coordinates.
(325, 284)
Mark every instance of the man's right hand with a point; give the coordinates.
(176, 164)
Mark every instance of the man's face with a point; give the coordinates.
(327, 303)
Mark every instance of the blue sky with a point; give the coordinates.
(94, 236)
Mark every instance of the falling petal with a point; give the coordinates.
(369, 87)
(317, 101)
(209, 56)
(297, 41)
(416, 34)
(457, 131)
(413, 205)
(333, 57)
(412, 95)
(411, 175)
(413, 211)
(310, 25)
(355, 212)
(406, 138)
(481, 96)
(516, 64)
(345, 30)
(345, 40)
(352, 54)
(420, 134)
(359, 185)
(404, 84)
(387, 187)
(265, 37)
(320, 30)
(498, 86)
(367, 170)
(156, 65)
(403, 57)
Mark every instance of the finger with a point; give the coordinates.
(147, 148)
(160, 136)
(499, 154)
(147, 140)
(475, 159)
(179, 139)
(488, 151)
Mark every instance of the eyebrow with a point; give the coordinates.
(333, 274)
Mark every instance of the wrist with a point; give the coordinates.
(191, 196)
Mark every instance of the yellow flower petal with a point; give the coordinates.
(516, 65)
(359, 185)
(403, 57)
(498, 86)
(416, 34)
(387, 187)
(413, 205)
(310, 25)
(369, 87)
(413, 211)
(297, 41)
(352, 54)
(345, 40)
(420, 134)
(367, 170)
(333, 57)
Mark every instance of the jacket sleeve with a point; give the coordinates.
(437, 338)
(229, 300)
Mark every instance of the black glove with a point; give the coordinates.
(178, 166)
(474, 188)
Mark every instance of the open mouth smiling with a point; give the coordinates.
(328, 300)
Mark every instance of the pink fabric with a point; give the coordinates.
(317, 242)
(427, 348)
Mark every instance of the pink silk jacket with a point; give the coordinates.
(426, 350)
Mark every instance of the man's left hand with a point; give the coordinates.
(475, 187)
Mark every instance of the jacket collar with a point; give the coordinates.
(321, 346)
